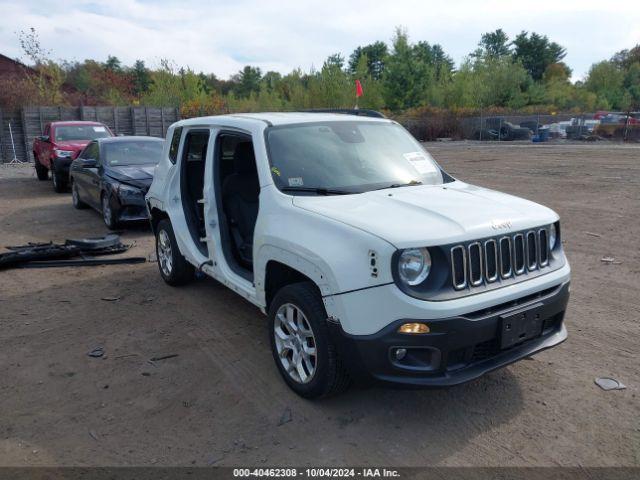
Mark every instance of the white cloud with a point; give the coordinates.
(221, 37)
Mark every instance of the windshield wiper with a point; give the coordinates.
(318, 190)
(398, 185)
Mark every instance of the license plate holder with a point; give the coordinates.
(520, 326)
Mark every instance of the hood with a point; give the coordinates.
(72, 145)
(429, 215)
(139, 176)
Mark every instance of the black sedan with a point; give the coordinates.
(112, 175)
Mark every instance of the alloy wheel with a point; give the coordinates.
(295, 343)
(164, 253)
(106, 210)
(75, 198)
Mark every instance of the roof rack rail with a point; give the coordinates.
(348, 111)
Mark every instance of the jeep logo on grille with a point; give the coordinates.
(500, 224)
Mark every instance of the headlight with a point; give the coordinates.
(414, 265)
(63, 153)
(553, 237)
(128, 191)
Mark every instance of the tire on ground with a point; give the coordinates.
(75, 197)
(181, 271)
(331, 376)
(42, 172)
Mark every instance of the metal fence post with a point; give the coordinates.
(133, 120)
(24, 134)
(1, 137)
(146, 116)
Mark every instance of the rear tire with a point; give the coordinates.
(174, 268)
(42, 172)
(75, 197)
(301, 343)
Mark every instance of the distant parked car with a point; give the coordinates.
(496, 128)
(112, 175)
(60, 144)
(532, 125)
(581, 128)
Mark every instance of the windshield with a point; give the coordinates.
(81, 132)
(347, 157)
(134, 152)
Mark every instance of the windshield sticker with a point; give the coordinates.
(295, 182)
(99, 129)
(420, 162)
(275, 170)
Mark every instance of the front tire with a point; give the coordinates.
(174, 268)
(41, 171)
(75, 197)
(59, 182)
(109, 214)
(301, 344)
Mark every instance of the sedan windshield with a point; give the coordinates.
(81, 132)
(347, 157)
(133, 152)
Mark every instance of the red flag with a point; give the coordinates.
(358, 89)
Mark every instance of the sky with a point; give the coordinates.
(222, 36)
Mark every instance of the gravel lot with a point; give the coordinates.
(221, 401)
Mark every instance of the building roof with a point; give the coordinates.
(10, 65)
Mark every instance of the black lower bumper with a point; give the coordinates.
(458, 349)
(131, 208)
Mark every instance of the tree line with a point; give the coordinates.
(523, 73)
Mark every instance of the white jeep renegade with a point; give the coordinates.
(369, 260)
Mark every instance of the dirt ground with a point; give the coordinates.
(221, 401)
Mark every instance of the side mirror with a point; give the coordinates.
(88, 163)
(44, 138)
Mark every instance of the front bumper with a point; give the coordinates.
(131, 208)
(459, 348)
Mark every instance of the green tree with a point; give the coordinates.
(113, 64)
(376, 54)
(141, 78)
(494, 44)
(247, 81)
(536, 53)
(606, 80)
(49, 76)
(406, 74)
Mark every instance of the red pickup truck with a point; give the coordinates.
(60, 144)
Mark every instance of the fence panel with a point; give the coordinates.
(28, 123)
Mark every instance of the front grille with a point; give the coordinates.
(479, 263)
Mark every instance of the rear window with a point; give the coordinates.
(134, 152)
(68, 133)
(175, 144)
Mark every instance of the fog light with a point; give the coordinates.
(414, 328)
(400, 353)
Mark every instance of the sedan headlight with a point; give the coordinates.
(63, 153)
(128, 191)
(414, 265)
(553, 237)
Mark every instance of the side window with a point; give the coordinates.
(96, 153)
(175, 144)
(90, 151)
